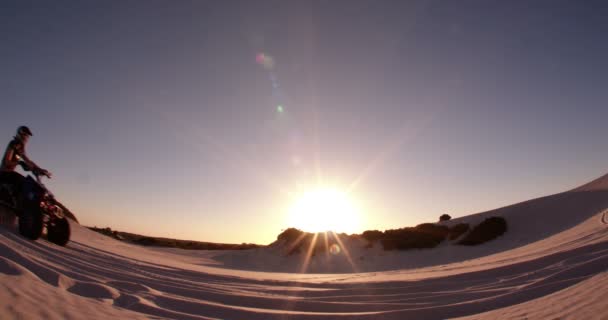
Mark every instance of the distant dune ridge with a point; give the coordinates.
(171, 243)
(551, 263)
(599, 184)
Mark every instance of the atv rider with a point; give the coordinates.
(14, 155)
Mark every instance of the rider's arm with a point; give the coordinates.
(27, 161)
(32, 164)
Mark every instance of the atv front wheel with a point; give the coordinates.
(30, 224)
(58, 231)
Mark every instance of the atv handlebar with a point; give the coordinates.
(41, 172)
(37, 172)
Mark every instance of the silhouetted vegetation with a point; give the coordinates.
(429, 235)
(489, 229)
(290, 235)
(434, 229)
(297, 241)
(372, 235)
(422, 236)
(171, 243)
(426, 235)
(458, 230)
(444, 217)
(294, 240)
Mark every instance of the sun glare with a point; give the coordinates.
(324, 209)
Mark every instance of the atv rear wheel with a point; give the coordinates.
(58, 231)
(30, 224)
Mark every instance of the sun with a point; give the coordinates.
(324, 209)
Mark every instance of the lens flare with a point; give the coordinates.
(267, 62)
(259, 58)
(334, 249)
(264, 60)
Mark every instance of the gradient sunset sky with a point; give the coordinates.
(201, 119)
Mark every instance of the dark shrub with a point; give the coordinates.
(372, 235)
(146, 241)
(436, 230)
(290, 235)
(488, 230)
(298, 241)
(457, 230)
(426, 235)
(445, 217)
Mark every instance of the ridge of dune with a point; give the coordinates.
(598, 184)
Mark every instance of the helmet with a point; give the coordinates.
(24, 131)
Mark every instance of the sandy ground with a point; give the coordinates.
(551, 264)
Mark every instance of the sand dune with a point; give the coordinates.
(552, 263)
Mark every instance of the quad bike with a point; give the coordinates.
(37, 209)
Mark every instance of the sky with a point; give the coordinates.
(204, 120)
